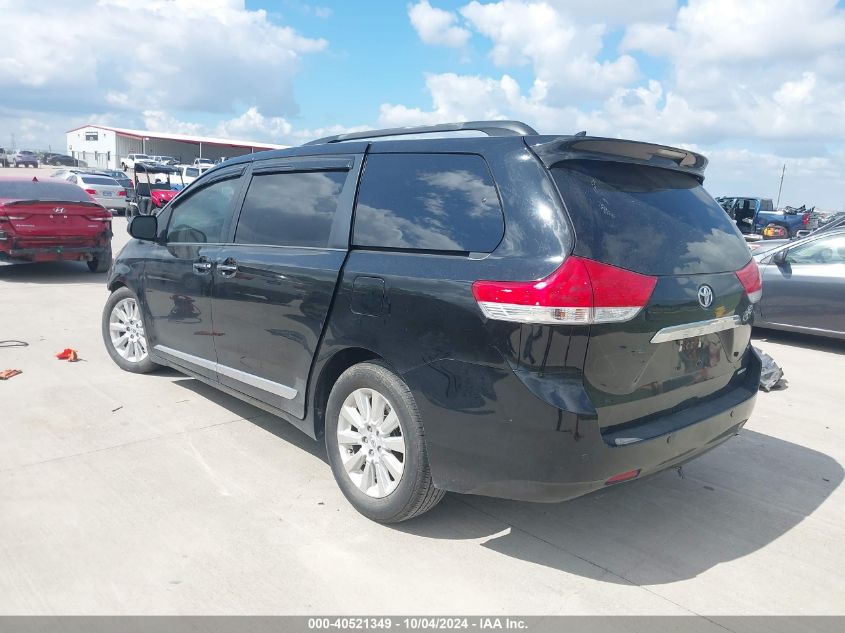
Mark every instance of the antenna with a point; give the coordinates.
(780, 187)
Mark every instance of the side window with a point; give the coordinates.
(72, 179)
(204, 216)
(290, 208)
(827, 250)
(440, 202)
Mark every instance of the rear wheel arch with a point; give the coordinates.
(330, 372)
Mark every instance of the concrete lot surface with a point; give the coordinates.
(126, 494)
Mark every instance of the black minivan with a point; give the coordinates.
(477, 308)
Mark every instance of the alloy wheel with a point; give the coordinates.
(371, 443)
(126, 330)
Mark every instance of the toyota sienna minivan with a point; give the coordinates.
(493, 312)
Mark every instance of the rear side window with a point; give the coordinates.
(646, 219)
(43, 190)
(438, 202)
(290, 208)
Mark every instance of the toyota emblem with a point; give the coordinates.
(705, 296)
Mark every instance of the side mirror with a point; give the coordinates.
(779, 258)
(144, 227)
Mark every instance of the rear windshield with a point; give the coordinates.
(99, 180)
(650, 220)
(43, 190)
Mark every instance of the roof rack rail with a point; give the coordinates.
(490, 128)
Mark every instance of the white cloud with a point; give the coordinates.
(562, 51)
(436, 26)
(761, 74)
(190, 55)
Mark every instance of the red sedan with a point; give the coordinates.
(52, 220)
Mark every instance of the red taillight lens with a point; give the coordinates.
(99, 218)
(581, 291)
(91, 192)
(806, 219)
(122, 192)
(749, 277)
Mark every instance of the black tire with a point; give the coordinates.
(101, 263)
(144, 366)
(415, 493)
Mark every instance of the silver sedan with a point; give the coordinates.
(105, 190)
(804, 285)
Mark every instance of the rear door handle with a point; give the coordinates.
(228, 268)
(201, 267)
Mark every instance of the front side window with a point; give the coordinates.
(290, 208)
(828, 250)
(203, 217)
(437, 202)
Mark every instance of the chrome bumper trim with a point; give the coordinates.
(699, 328)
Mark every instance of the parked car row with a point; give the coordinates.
(27, 158)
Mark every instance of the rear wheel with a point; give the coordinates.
(101, 263)
(124, 333)
(375, 443)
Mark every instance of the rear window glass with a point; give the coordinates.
(102, 180)
(42, 190)
(192, 172)
(438, 202)
(650, 220)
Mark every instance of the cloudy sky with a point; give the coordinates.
(753, 84)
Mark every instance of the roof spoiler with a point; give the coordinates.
(490, 128)
(619, 150)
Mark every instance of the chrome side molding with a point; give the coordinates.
(288, 393)
(699, 328)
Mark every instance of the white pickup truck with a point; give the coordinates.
(189, 173)
(129, 161)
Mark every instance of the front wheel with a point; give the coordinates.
(124, 333)
(376, 445)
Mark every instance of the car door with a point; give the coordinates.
(807, 289)
(179, 279)
(275, 281)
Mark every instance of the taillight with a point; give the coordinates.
(122, 192)
(750, 278)
(806, 219)
(580, 291)
(91, 192)
(99, 218)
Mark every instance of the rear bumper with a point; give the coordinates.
(51, 253)
(534, 459)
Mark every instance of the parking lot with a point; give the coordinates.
(125, 494)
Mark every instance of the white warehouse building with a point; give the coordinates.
(105, 147)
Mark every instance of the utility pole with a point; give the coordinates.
(780, 187)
